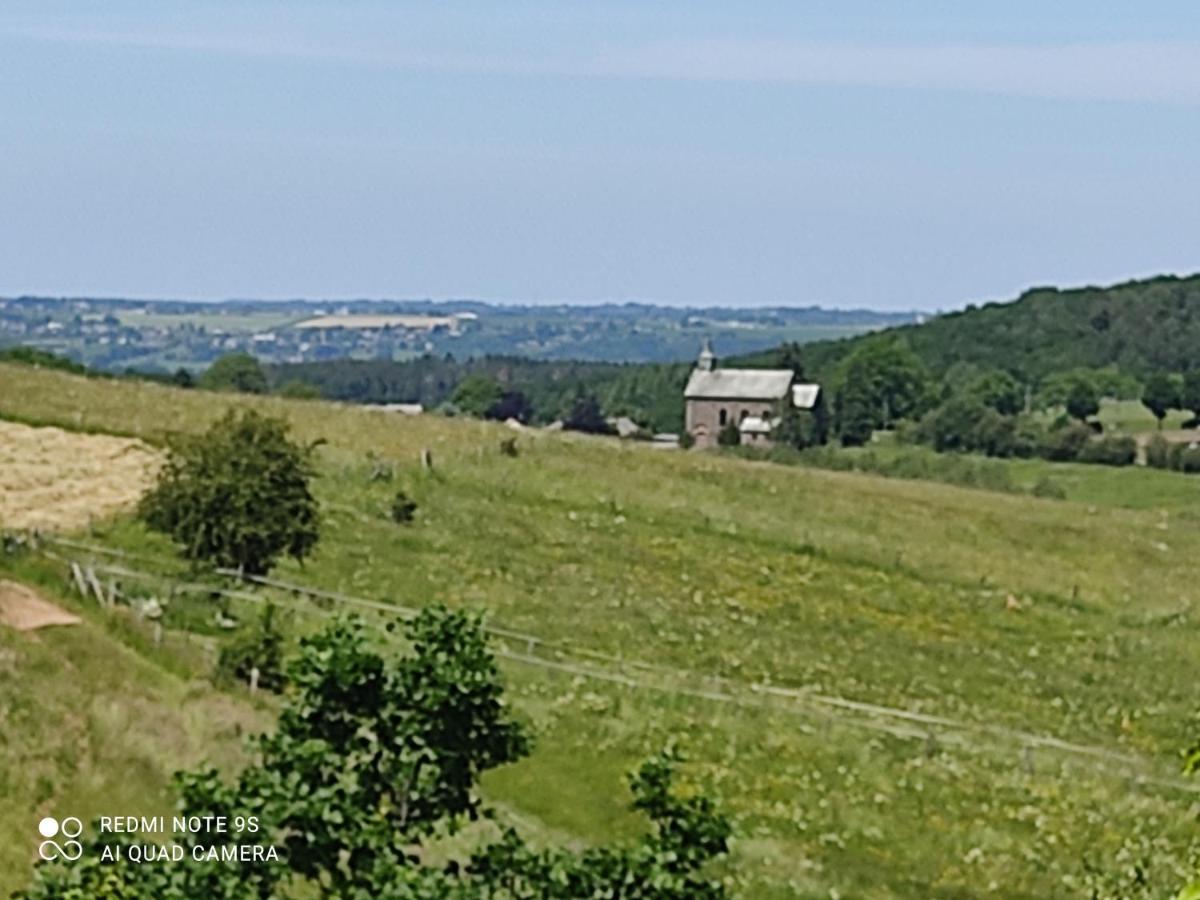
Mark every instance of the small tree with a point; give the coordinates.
(998, 390)
(586, 416)
(1160, 395)
(376, 758)
(1190, 395)
(236, 496)
(476, 395)
(235, 372)
(1082, 400)
(258, 647)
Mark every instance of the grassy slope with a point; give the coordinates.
(886, 591)
(89, 727)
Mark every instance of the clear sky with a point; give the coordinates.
(849, 153)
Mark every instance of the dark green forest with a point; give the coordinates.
(1138, 327)
(648, 392)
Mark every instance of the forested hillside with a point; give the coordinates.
(1139, 327)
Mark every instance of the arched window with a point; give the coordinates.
(724, 417)
(742, 417)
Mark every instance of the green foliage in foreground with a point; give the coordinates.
(374, 760)
(236, 496)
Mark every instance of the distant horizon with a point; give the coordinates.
(550, 304)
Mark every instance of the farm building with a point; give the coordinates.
(752, 399)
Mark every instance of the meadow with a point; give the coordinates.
(986, 618)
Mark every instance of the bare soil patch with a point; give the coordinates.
(53, 479)
(21, 608)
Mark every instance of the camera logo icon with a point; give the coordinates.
(69, 828)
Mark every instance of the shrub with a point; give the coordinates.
(686, 440)
(237, 495)
(261, 647)
(586, 416)
(1158, 452)
(1109, 451)
(1063, 444)
(508, 447)
(1048, 489)
(729, 436)
(1028, 436)
(235, 372)
(1188, 459)
(299, 390)
(404, 508)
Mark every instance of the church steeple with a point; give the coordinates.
(707, 360)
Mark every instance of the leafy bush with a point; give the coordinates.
(686, 440)
(259, 647)
(236, 496)
(586, 416)
(1158, 452)
(508, 447)
(1109, 451)
(1187, 459)
(1064, 443)
(32, 356)
(404, 508)
(299, 390)
(1049, 489)
(375, 758)
(729, 435)
(238, 372)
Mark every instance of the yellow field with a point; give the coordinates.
(55, 479)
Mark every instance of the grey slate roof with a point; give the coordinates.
(738, 384)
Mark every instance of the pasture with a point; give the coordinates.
(983, 618)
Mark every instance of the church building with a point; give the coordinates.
(754, 400)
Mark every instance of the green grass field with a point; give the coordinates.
(1001, 612)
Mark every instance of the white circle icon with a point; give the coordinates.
(48, 827)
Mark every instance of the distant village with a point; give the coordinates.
(106, 337)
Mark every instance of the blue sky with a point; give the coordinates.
(917, 155)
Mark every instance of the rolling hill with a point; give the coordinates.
(899, 689)
(1139, 327)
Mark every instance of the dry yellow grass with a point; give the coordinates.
(55, 479)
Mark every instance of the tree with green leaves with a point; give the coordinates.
(377, 756)
(1190, 394)
(999, 391)
(476, 395)
(237, 495)
(238, 372)
(1083, 400)
(1160, 395)
(587, 416)
(879, 384)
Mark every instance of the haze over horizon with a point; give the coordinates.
(676, 154)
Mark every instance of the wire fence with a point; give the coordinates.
(583, 662)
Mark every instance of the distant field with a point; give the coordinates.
(371, 321)
(1131, 417)
(233, 323)
(1060, 618)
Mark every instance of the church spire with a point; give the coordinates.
(708, 360)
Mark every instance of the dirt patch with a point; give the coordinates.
(57, 480)
(22, 609)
